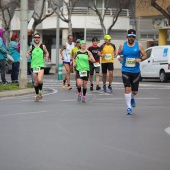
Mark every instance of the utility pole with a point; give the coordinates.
(23, 40)
(58, 66)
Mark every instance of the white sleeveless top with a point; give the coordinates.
(68, 50)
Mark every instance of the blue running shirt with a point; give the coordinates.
(129, 55)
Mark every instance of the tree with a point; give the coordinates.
(7, 9)
(39, 13)
(65, 9)
(159, 5)
(120, 4)
(161, 10)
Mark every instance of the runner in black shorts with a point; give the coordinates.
(107, 51)
(131, 53)
(94, 48)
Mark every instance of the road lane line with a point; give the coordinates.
(167, 130)
(15, 114)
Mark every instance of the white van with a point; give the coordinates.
(157, 63)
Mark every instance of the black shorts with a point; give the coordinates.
(107, 66)
(92, 68)
(41, 68)
(83, 78)
(131, 80)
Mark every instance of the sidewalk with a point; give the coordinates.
(16, 92)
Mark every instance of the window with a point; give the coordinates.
(148, 53)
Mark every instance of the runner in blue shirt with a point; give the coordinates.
(131, 53)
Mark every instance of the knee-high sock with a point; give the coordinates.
(40, 86)
(79, 89)
(36, 90)
(132, 95)
(84, 91)
(128, 99)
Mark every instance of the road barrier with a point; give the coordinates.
(60, 74)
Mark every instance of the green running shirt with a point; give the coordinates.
(82, 61)
(37, 57)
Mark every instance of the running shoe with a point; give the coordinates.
(128, 111)
(63, 85)
(110, 89)
(79, 97)
(40, 94)
(98, 87)
(133, 103)
(36, 98)
(91, 87)
(69, 87)
(84, 99)
(104, 89)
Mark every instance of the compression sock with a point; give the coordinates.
(36, 90)
(40, 86)
(84, 91)
(79, 89)
(128, 100)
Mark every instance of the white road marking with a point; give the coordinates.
(167, 130)
(15, 114)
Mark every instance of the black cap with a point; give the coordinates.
(132, 32)
(95, 39)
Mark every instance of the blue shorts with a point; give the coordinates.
(65, 62)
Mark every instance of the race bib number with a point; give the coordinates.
(36, 70)
(83, 73)
(97, 64)
(130, 62)
(108, 57)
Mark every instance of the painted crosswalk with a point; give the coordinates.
(115, 85)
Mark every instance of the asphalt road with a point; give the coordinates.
(60, 133)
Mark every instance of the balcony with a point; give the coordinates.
(88, 11)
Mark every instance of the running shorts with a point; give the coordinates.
(107, 66)
(131, 80)
(83, 78)
(92, 68)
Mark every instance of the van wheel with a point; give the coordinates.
(163, 77)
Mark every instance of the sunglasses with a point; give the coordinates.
(36, 37)
(132, 37)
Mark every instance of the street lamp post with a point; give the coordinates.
(23, 42)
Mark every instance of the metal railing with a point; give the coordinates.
(88, 11)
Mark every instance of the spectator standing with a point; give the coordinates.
(3, 52)
(13, 51)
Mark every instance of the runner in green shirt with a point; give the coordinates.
(81, 62)
(37, 51)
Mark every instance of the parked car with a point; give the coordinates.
(8, 68)
(157, 63)
(47, 67)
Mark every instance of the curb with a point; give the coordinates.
(16, 92)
